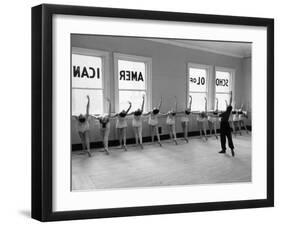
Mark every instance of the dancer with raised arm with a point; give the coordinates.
(202, 120)
(153, 122)
(104, 121)
(235, 121)
(225, 129)
(243, 115)
(121, 125)
(137, 123)
(185, 119)
(171, 122)
(83, 128)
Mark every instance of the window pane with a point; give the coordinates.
(132, 75)
(134, 96)
(223, 82)
(222, 97)
(79, 101)
(198, 101)
(86, 71)
(197, 80)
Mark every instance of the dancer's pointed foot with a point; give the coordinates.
(232, 152)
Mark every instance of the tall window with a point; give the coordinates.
(223, 84)
(198, 86)
(87, 79)
(132, 81)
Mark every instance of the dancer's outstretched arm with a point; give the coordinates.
(190, 102)
(142, 105)
(226, 103)
(147, 113)
(129, 108)
(96, 117)
(241, 108)
(109, 107)
(160, 103)
(88, 106)
(164, 114)
(230, 102)
(217, 105)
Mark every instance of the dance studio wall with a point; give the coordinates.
(168, 75)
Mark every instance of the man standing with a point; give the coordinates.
(225, 129)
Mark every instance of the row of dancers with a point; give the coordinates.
(204, 119)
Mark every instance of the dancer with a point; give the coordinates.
(185, 119)
(171, 122)
(105, 126)
(235, 121)
(153, 122)
(201, 121)
(243, 115)
(84, 128)
(225, 129)
(213, 119)
(137, 123)
(121, 126)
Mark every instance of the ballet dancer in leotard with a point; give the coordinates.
(83, 128)
(213, 119)
(121, 125)
(104, 121)
(202, 120)
(243, 115)
(153, 122)
(137, 123)
(235, 121)
(171, 122)
(185, 119)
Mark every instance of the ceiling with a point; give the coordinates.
(235, 49)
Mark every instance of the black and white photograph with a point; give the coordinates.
(152, 112)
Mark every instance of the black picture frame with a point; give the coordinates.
(42, 106)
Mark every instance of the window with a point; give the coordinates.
(198, 85)
(132, 76)
(223, 86)
(88, 77)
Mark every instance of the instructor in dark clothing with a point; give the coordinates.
(225, 129)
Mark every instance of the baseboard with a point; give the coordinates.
(112, 143)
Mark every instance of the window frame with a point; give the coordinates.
(105, 69)
(232, 72)
(209, 76)
(148, 84)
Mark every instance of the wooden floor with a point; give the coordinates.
(196, 162)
